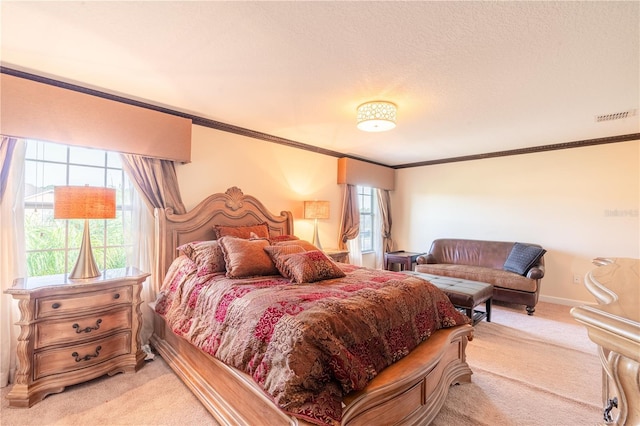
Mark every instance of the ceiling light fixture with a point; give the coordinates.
(377, 116)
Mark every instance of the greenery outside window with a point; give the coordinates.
(52, 245)
(365, 203)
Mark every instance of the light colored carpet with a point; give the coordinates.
(528, 370)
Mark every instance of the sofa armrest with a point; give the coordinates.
(426, 258)
(536, 272)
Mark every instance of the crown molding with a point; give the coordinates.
(230, 128)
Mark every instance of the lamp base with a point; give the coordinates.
(316, 238)
(85, 266)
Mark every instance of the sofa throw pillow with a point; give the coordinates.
(522, 258)
(309, 267)
(246, 258)
(207, 255)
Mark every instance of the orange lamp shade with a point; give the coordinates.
(316, 210)
(84, 202)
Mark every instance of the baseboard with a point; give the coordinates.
(563, 301)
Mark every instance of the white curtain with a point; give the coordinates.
(12, 251)
(141, 257)
(377, 228)
(355, 254)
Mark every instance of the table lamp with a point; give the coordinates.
(316, 210)
(84, 202)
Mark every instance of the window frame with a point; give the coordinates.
(37, 184)
(367, 217)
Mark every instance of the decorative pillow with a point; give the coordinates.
(254, 236)
(246, 258)
(278, 252)
(207, 255)
(261, 230)
(309, 267)
(280, 238)
(306, 245)
(522, 258)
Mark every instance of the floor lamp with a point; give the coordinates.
(316, 210)
(84, 202)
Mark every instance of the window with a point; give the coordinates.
(52, 245)
(365, 202)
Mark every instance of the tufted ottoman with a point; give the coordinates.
(464, 294)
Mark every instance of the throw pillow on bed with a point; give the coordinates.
(277, 253)
(246, 258)
(280, 238)
(306, 245)
(274, 239)
(309, 267)
(522, 258)
(261, 230)
(207, 255)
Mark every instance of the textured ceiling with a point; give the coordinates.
(468, 77)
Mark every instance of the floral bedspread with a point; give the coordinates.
(306, 345)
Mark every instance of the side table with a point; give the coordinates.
(405, 259)
(337, 255)
(72, 331)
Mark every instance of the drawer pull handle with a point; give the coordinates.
(55, 305)
(116, 296)
(87, 329)
(86, 357)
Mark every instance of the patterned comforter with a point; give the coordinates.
(306, 345)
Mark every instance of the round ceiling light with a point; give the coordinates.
(376, 116)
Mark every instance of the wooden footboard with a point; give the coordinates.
(409, 392)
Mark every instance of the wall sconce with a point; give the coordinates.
(316, 210)
(376, 116)
(84, 202)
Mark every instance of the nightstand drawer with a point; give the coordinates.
(82, 302)
(71, 330)
(75, 357)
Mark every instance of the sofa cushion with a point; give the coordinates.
(488, 254)
(522, 258)
(497, 277)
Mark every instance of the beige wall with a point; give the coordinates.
(279, 176)
(566, 201)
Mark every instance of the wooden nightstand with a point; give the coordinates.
(74, 331)
(338, 255)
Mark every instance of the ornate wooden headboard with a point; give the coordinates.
(229, 208)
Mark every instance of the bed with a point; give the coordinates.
(411, 390)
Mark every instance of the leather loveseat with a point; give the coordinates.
(514, 269)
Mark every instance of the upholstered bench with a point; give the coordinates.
(465, 294)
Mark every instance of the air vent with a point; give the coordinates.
(615, 116)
